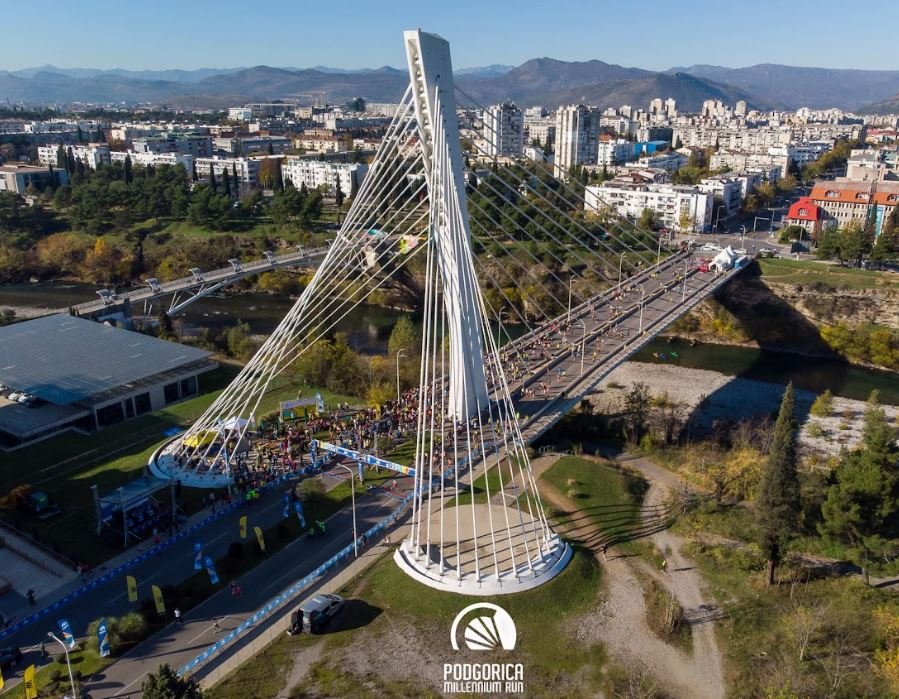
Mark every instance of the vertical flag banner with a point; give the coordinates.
(210, 568)
(286, 512)
(29, 683)
(198, 555)
(158, 600)
(361, 475)
(298, 508)
(67, 636)
(1, 680)
(260, 538)
(319, 403)
(103, 638)
(131, 582)
(243, 527)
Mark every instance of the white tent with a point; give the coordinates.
(724, 260)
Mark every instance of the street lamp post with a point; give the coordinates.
(683, 296)
(353, 501)
(401, 353)
(65, 649)
(499, 326)
(642, 298)
(742, 237)
(570, 280)
(659, 254)
(583, 342)
(620, 262)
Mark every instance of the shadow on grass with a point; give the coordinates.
(356, 614)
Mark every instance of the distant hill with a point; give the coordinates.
(540, 81)
(689, 91)
(887, 106)
(491, 71)
(793, 87)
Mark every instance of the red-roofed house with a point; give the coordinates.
(806, 213)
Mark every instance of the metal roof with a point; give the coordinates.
(65, 360)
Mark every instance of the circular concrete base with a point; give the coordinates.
(162, 464)
(517, 556)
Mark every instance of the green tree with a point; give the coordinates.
(226, 181)
(61, 157)
(338, 194)
(647, 218)
(778, 496)
(129, 175)
(404, 336)
(166, 684)
(235, 179)
(862, 504)
(212, 182)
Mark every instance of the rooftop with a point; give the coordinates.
(64, 360)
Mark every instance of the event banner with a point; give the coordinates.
(131, 581)
(243, 527)
(67, 636)
(210, 568)
(29, 683)
(103, 638)
(158, 600)
(198, 555)
(260, 538)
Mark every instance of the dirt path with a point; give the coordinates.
(620, 622)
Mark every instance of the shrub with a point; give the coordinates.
(823, 405)
(815, 430)
(311, 490)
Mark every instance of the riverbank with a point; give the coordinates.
(710, 396)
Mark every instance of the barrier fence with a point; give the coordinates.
(125, 567)
(293, 591)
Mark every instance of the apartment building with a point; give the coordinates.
(681, 208)
(502, 130)
(577, 137)
(196, 145)
(614, 151)
(155, 159)
(92, 155)
(318, 173)
(247, 169)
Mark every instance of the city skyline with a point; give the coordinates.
(200, 35)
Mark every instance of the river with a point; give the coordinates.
(368, 329)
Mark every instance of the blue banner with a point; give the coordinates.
(210, 568)
(298, 508)
(319, 403)
(198, 555)
(103, 638)
(67, 636)
(286, 512)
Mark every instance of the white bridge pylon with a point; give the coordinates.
(478, 526)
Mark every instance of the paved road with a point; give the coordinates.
(178, 643)
(176, 563)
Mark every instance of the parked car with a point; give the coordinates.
(10, 657)
(315, 613)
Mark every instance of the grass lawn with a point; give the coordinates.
(66, 467)
(610, 497)
(52, 680)
(808, 272)
(386, 599)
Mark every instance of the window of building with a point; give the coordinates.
(129, 408)
(189, 386)
(110, 414)
(171, 392)
(142, 403)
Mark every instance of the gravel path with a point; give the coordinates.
(620, 621)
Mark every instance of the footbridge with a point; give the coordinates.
(199, 283)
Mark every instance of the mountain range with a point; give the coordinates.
(544, 81)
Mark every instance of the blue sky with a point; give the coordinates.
(653, 34)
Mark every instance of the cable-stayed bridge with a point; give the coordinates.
(479, 242)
